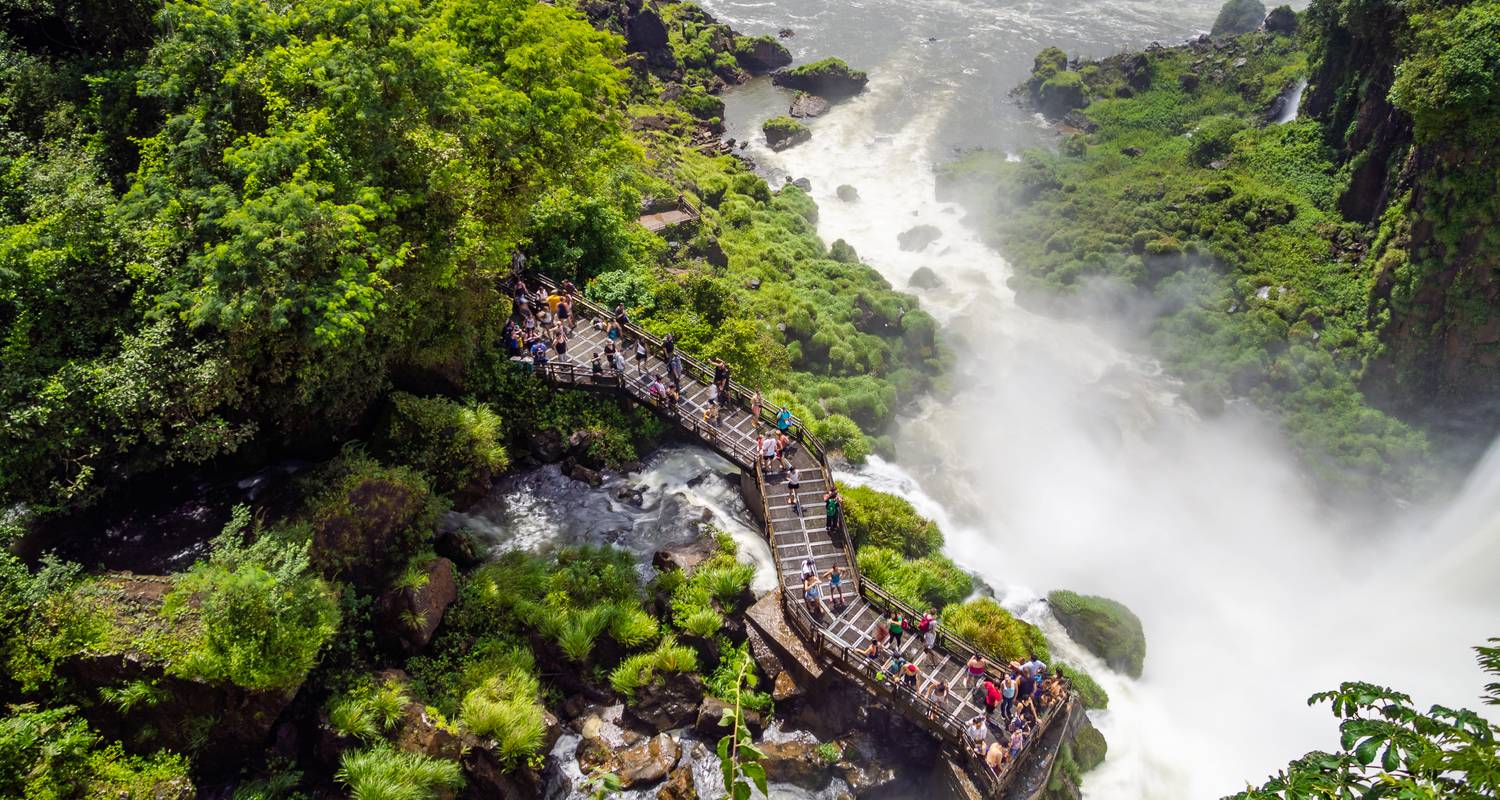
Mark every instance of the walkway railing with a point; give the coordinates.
(944, 725)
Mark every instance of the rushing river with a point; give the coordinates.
(1063, 458)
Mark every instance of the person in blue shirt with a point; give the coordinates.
(784, 420)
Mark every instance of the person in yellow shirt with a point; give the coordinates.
(553, 301)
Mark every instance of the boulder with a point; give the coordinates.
(647, 762)
(712, 709)
(829, 78)
(807, 106)
(918, 237)
(544, 445)
(765, 657)
(804, 184)
(411, 614)
(462, 546)
(847, 193)
(1282, 20)
(784, 132)
(646, 33)
(761, 54)
(1105, 627)
(685, 557)
(679, 786)
(924, 278)
(671, 706)
(1188, 80)
(796, 762)
(582, 474)
(785, 688)
(418, 733)
(863, 766)
(359, 532)
(487, 778)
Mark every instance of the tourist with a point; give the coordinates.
(936, 695)
(560, 343)
(909, 626)
(909, 676)
(669, 344)
(1025, 686)
(831, 502)
(674, 368)
(596, 367)
(835, 585)
(976, 733)
(618, 361)
(793, 481)
(710, 420)
(882, 634)
(995, 757)
(539, 354)
(795, 502)
(1007, 695)
(673, 396)
(811, 594)
(640, 356)
(614, 333)
(656, 391)
(756, 402)
(991, 698)
(621, 318)
(1034, 668)
(873, 651)
(928, 627)
(896, 628)
(975, 667)
(721, 374)
(786, 445)
(564, 313)
(809, 568)
(783, 420)
(1017, 741)
(713, 394)
(767, 448)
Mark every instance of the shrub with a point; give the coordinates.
(1088, 689)
(263, 616)
(721, 682)
(1211, 138)
(52, 753)
(830, 753)
(579, 630)
(456, 444)
(990, 627)
(368, 710)
(727, 583)
(930, 581)
(384, 773)
(1106, 627)
(642, 669)
(631, 626)
(504, 706)
(703, 623)
(877, 519)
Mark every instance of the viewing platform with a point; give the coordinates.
(838, 636)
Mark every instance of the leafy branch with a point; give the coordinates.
(738, 756)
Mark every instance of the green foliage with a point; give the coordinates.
(641, 670)
(1089, 748)
(1388, 748)
(52, 754)
(384, 773)
(368, 710)
(455, 444)
(1239, 16)
(579, 629)
(631, 626)
(739, 758)
(1447, 83)
(1106, 627)
(51, 615)
(782, 131)
(1088, 689)
(132, 695)
(703, 622)
(838, 432)
(825, 67)
(1252, 300)
(830, 753)
(733, 677)
(877, 519)
(262, 616)
(995, 630)
(930, 581)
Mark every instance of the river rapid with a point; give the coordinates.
(1062, 456)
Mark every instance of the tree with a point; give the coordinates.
(1389, 749)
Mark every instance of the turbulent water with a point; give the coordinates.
(1063, 457)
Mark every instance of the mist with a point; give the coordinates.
(1061, 456)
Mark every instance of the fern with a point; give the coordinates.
(703, 623)
(383, 773)
(581, 629)
(631, 626)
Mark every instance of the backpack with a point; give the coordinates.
(925, 625)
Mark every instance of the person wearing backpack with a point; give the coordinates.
(928, 627)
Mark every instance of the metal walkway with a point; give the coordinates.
(837, 633)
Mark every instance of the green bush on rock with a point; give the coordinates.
(931, 581)
(985, 623)
(783, 132)
(1239, 16)
(456, 444)
(385, 773)
(877, 519)
(1107, 628)
(1089, 690)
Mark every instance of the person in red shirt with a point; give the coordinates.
(991, 698)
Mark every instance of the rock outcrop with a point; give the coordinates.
(829, 78)
(411, 614)
(807, 106)
(761, 54)
(783, 132)
(918, 237)
(1107, 628)
(924, 278)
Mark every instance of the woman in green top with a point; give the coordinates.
(831, 508)
(896, 629)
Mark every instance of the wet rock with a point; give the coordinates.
(761, 54)
(863, 766)
(712, 709)
(579, 472)
(411, 614)
(486, 778)
(1282, 20)
(1078, 121)
(765, 658)
(784, 132)
(785, 688)
(796, 762)
(830, 78)
(645, 33)
(803, 183)
(544, 446)
(1133, 152)
(581, 448)
(847, 193)
(685, 557)
(461, 546)
(604, 736)
(671, 706)
(918, 237)
(679, 786)
(924, 278)
(647, 762)
(807, 106)
(785, 33)
(1188, 80)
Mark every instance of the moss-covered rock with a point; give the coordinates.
(1106, 627)
(783, 132)
(830, 78)
(758, 54)
(1089, 747)
(1239, 16)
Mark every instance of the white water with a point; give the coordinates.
(1293, 101)
(1064, 460)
